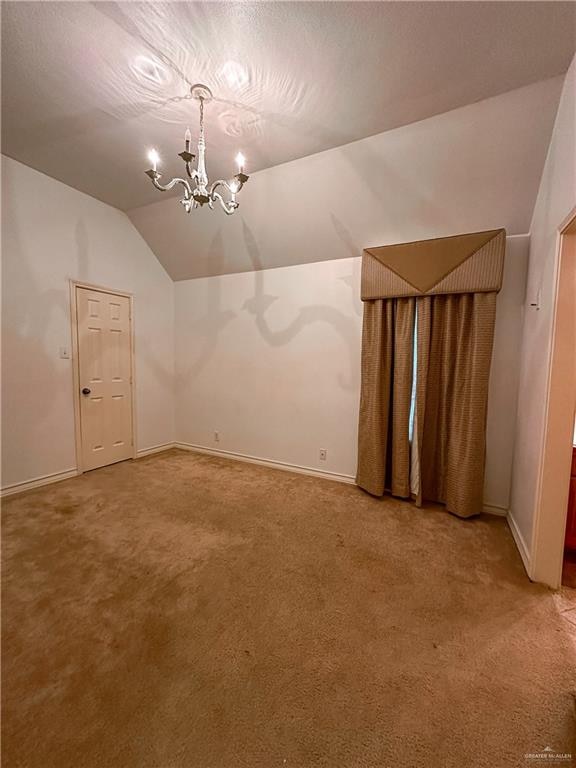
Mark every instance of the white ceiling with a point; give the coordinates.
(88, 88)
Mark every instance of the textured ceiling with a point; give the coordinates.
(88, 88)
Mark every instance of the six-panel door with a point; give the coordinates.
(105, 369)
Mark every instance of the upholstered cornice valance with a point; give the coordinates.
(471, 263)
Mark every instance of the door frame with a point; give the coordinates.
(549, 526)
(74, 285)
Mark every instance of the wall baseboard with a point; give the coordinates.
(267, 463)
(495, 509)
(57, 477)
(141, 452)
(520, 544)
(38, 482)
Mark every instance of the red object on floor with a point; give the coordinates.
(570, 540)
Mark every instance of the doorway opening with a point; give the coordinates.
(569, 564)
(551, 524)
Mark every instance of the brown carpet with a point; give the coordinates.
(183, 611)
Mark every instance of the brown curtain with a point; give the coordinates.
(387, 360)
(455, 334)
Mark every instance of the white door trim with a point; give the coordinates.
(74, 285)
(549, 525)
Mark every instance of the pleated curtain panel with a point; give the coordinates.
(429, 312)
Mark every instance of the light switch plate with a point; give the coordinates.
(64, 353)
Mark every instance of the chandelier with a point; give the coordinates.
(197, 189)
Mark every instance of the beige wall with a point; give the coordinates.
(50, 233)
(556, 198)
(268, 358)
(271, 360)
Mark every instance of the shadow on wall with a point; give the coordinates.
(82, 252)
(318, 313)
(143, 353)
(38, 392)
(352, 280)
(32, 379)
(214, 319)
(384, 183)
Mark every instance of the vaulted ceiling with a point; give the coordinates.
(474, 168)
(89, 87)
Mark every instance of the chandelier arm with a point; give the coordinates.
(191, 172)
(232, 188)
(154, 175)
(227, 207)
(220, 183)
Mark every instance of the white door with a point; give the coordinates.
(105, 370)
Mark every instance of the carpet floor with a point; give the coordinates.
(184, 611)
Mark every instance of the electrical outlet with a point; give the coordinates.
(216, 436)
(323, 453)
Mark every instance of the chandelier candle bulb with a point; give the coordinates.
(187, 139)
(154, 158)
(240, 160)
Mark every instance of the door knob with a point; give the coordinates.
(85, 391)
